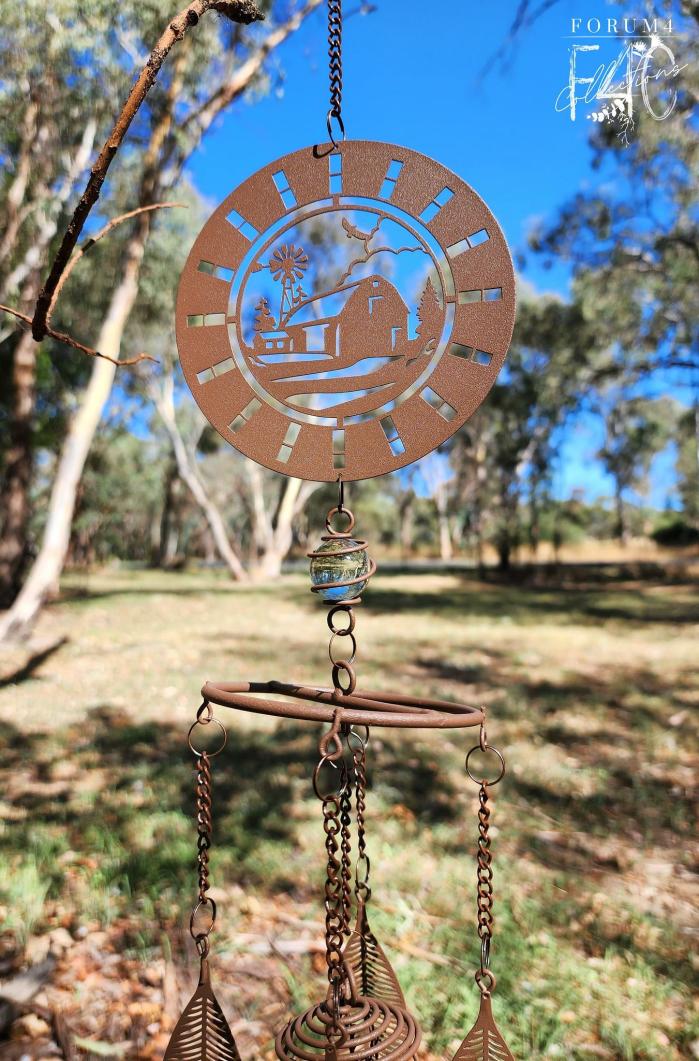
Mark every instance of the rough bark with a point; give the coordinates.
(45, 573)
(19, 462)
(189, 474)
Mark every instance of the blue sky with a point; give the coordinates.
(407, 81)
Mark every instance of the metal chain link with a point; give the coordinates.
(335, 65)
(334, 911)
(361, 884)
(345, 849)
(485, 878)
(484, 891)
(204, 822)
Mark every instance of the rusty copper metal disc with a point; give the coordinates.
(344, 311)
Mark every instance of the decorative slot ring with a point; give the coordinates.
(483, 781)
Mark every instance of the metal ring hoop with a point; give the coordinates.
(344, 631)
(322, 796)
(353, 654)
(341, 126)
(360, 708)
(337, 511)
(206, 901)
(201, 722)
(483, 781)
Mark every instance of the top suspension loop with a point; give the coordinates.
(336, 130)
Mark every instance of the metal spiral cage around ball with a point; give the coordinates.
(358, 545)
(370, 1028)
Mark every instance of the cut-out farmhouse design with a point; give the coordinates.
(370, 319)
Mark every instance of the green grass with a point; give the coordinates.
(591, 689)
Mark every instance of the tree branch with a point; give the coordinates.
(238, 11)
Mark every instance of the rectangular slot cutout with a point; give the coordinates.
(282, 185)
(205, 320)
(492, 294)
(433, 207)
(469, 353)
(335, 173)
(389, 181)
(445, 410)
(242, 225)
(465, 297)
(338, 449)
(220, 272)
(247, 413)
(285, 450)
(392, 437)
(219, 369)
(474, 240)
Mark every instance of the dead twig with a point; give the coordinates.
(244, 11)
(70, 341)
(89, 244)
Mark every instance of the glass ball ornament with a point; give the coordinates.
(333, 561)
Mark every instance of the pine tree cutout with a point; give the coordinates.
(264, 321)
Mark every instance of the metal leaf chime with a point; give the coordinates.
(337, 366)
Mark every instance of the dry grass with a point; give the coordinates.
(592, 689)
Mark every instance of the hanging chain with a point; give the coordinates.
(346, 848)
(334, 911)
(204, 808)
(204, 822)
(363, 867)
(484, 892)
(335, 67)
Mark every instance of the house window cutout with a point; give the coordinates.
(389, 181)
(205, 320)
(243, 417)
(242, 225)
(292, 433)
(433, 207)
(220, 272)
(335, 174)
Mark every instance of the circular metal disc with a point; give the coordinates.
(343, 312)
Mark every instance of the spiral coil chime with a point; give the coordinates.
(362, 1015)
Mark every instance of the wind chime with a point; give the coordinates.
(338, 365)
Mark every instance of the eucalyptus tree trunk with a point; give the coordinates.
(274, 531)
(15, 506)
(189, 474)
(19, 463)
(43, 578)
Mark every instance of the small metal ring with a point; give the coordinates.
(338, 668)
(351, 619)
(363, 741)
(362, 860)
(339, 512)
(206, 901)
(316, 776)
(224, 737)
(341, 125)
(483, 781)
(352, 655)
(485, 953)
